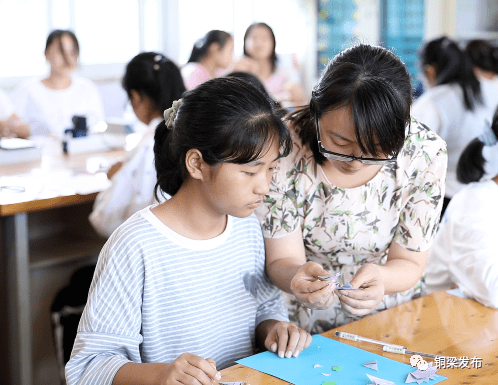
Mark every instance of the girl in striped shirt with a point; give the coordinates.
(180, 289)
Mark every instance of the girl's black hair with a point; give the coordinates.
(155, 76)
(273, 57)
(250, 78)
(452, 66)
(56, 35)
(480, 53)
(375, 85)
(470, 167)
(201, 46)
(227, 120)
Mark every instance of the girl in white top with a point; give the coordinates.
(260, 59)
(152, 83)
(457, 106)
(180, 289)
(210, 57)
(49, 104)
(465, 250)
(10, 123)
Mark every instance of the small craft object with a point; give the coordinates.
(379, 381)
(371, 365)
(347, 285)
(327, 278)
(318, 366)
(420, 376)
(334, 278)
(325, 374)
(337, 368)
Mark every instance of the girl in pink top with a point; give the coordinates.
(210, 57)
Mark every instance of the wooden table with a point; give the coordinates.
(57, 181)
(439, 323)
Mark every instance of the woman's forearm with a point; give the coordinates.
(281, 272)
(403, 269)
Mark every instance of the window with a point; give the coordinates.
(111, 32)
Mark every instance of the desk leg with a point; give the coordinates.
(15, 235)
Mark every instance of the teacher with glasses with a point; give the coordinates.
(360, 194)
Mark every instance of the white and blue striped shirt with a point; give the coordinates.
(156, 295)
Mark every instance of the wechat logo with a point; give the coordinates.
(418, 362)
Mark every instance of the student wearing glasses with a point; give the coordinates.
(360, 194)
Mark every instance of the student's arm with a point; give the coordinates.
(14, 126)
(186, 369)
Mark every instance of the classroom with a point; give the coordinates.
(261, 192)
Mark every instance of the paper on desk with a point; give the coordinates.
(328, 352)
(420, 376)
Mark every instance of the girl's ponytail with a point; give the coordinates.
(470, 166)
(167, 163)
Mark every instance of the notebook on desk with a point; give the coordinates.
(16, 150)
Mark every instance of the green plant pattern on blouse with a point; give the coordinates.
(344, 228)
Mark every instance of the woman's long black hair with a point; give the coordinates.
(273, 57)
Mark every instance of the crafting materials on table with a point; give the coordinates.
(314, 366)
(354, 337)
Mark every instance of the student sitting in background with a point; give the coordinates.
(48, 105)
(210, 56)
(456, 105)
(465, 250)
(260, 59)
(10, 123)
(152, 83)
(180, 289)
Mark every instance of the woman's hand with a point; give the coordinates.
(286, 339)
(191, 369)
(309, 289)
(371, 290)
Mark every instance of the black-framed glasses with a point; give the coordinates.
(349, 158)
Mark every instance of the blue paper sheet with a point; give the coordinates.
(457, 292)
(328, 353)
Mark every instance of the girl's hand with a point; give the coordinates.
(286, 339)
(364, 301)
(189, 369)
(309, 289)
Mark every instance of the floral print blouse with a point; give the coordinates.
(343, 228)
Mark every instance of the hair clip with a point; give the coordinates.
(170, 114)
(488, 138)
(158, 59)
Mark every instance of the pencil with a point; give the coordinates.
(392, 349)
(354, 337)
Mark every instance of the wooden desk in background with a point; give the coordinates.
(57, 182)
(439, 323)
